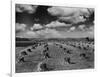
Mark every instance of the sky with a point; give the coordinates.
(40, 21)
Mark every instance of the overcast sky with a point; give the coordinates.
(34, 21)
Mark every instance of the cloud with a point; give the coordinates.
(25, 8)
(71, 15)
(72, 29)
(45, 33)
(52, 33)
(62, 11)
(22, 31)
(56, 24)
(69, 11)
(36, 26)
(91, 28)
(82, 27)
(91, 31)
(49, 33)
(20, 27)
(72, 19)
(27, 34)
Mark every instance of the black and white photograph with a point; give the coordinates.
(53, 38)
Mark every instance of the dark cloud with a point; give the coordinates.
(53, 22)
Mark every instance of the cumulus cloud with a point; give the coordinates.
(25, 8)
(45, 33)
(91, 34)
(49, 33)
(36, 26)
(72, 19)
(72, 28)
(82, 27)
(27, 34)
(56, 24)
(52, 33)
(62, 11)
(20, 27)
(91, 28)
(91, 31)
(72, 15)
(22, 31)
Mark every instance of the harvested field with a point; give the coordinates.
(57, 55)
